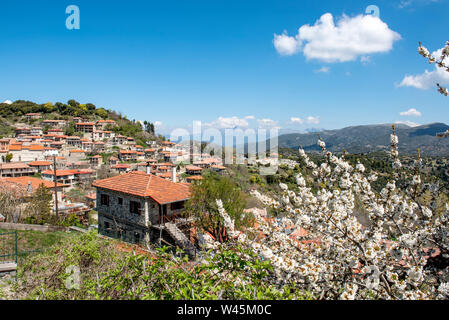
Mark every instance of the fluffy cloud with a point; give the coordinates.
(286, 45)
(228, 123)
(428, 79)
(294, 120)
(309, 119)
(314, 120)
(158, 124)
(268, 124)
(411, 112)
(408, 123)
(250, 117)
(7, 101)
(323, 70)
(344, 41)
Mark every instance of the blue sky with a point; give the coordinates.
(216, 61)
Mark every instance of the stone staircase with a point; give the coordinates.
(180, 239)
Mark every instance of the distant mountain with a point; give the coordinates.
(369, 138)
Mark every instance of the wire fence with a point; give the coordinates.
(9, 248)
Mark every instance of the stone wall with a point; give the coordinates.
(35, 227)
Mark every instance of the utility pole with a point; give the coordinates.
(56, 184)
(54, 153)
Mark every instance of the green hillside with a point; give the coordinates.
(14, 113)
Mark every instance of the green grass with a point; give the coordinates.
(37, 240)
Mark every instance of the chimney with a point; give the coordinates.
(30, 187)
(173, 174)
(148, 168)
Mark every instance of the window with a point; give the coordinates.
(104, 200)
(177, 205)
(134, 207)
(120, 201)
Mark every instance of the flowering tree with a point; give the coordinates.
(442, 62)
(387, 257)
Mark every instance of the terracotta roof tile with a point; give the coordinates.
(146, 185)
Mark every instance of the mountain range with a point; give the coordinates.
(369, 138)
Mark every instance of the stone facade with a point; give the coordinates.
(117, 220)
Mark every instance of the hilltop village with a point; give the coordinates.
(152, 181)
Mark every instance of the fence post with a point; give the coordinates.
(16, 253)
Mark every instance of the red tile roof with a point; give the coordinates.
(146, 185)
(35, 182)
(14, 165)
(40, 163)
(195, 178)
(67, 172)
(15, 147)
(193, 168)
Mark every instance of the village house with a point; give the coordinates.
(96, 160)
(121, 168)
(218, 168)
(40, 166)
(112, 160)
(32, 152)
(22, 131)
(87, 145)
(4, 144)
(193, 170)
(16, 169)
(70, 178)
(77, 155)
(85, 127)
(73, 141)
(31, 184)
(194, 178)
(101, 124)
(54, 123)
(33, 116)
(131, 205)
(36, 131)
(119, 139)
(128, 155)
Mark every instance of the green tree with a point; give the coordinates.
(8, 157)
(202, 205)
(39, 209)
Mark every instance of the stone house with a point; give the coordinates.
(133, 205)
(16, 169)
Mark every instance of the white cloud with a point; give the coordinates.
(286, 45)
(408, 123)
(344, 41)
(309, 119)
(7, 101)
(365, 59)
(250, 117)
(268, 124)
(294, 120)
(314, 120)
(158, 124)
(428, 79)
(323, 70)
(411, 112)
(228, 123)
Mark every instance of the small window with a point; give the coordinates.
(104, 200)
(120, 201)
(134, 207)
(177, 205)
(106, 225)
